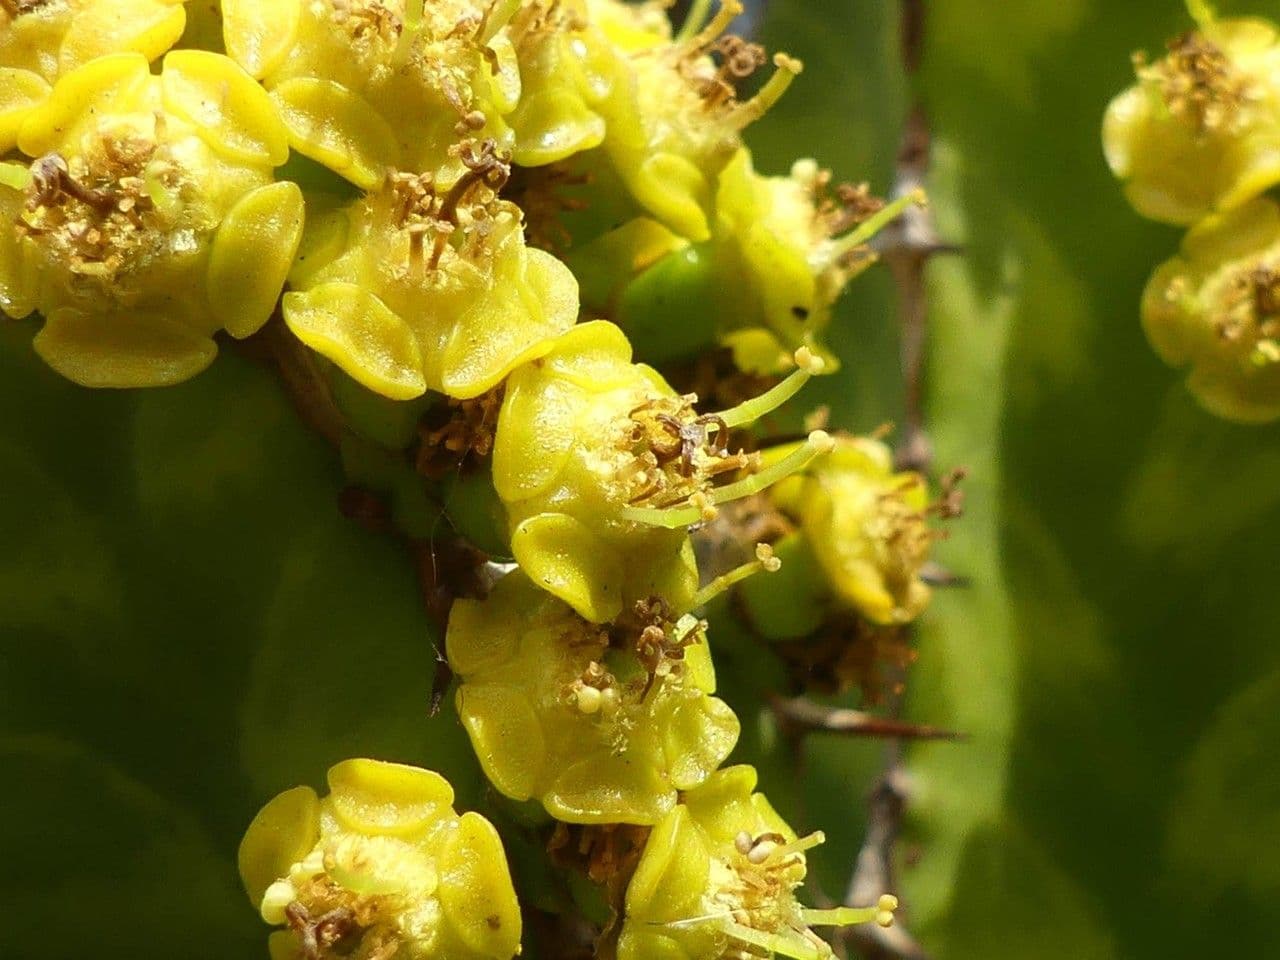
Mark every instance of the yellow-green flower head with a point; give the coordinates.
(567, 69)
(601, 466)
(718, 878)
(150, 219)
(794, 246)
(602, 724)
(427, 285)
(364, 85)
(1215, 308)
(40, 40)
(382, 867)
(781, 252)
(677, 121)
(866, 524)
(1200, 130)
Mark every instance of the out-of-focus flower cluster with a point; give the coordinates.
(1196, 141)
(473, 224)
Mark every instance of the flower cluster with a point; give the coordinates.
(476, 223)
(1194, 140)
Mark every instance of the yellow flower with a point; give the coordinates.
(600, 724)
(780, 254)
(149, 220)
(866, 524)
(600, 466)
(427, 285)
(1200, 130)
(381, 867)
(364, 85)
(675, 123)
(1215, 308)
(718, 877)
(41, 41)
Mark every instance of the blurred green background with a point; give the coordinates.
(187, 624)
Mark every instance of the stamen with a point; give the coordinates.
(673, 518)
(785, 942)
(881, 913)
(744, 114)
(765, 560)
(1202, 12)
(728, 12)
(807, 365)
(877, 222)
(497, 17)
(817, 838)
(408, 33)
(699, 10)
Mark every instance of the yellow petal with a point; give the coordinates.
(337, 128)
(121, 351)
(594, 355)
(536, 433)
(283, 832)
(610, 789)
(251, 255)
(562, 556)
(18, 277)
(672, 874)
(506, 736)
(260, 33)
(228, 109)
(20, 92)
(79, 98)
(485, 634)
(697, 736)
(475, 891)
(359, 333)
(552, 125)
(675, 191)
(375, 797)
(147, 27)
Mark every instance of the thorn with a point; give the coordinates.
(936, 575)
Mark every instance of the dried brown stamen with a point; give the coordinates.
(1199, 82)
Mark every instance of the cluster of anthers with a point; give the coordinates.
(100, 212)
(1193, 142)
(425, 213)
(1199, 83)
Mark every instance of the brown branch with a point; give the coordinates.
(907, 248)
(803, 715)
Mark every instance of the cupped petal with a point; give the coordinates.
(117, 350)
(359, 333)
(251, 256)
(337, 128)
(378, 798)
(507, 736)
(563, 556)
(260, 33)
(283, 832)
(227, 108)
(475, 891)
